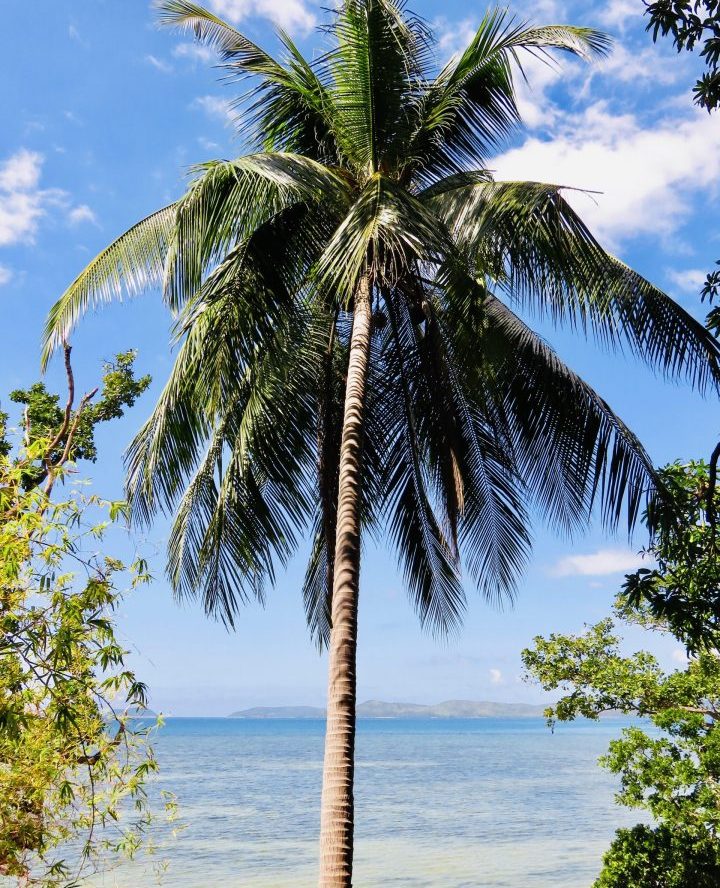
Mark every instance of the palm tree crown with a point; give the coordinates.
(368, 163)
(350, 354)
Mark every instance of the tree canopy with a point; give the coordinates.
(669, 768)
(691, 24)
(352, 357)
(73, 768)
(370, 160)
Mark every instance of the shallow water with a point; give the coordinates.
(476, 802)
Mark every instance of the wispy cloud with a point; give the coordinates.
(496, 676)
(597, 564)
(21, 171)
(214, 106)
(22, 202)
(293, 15)
(195, 51)
(644, 189)
(5, 275)
(631, 65)
(81, 213)
(159, 64)
(208, 144)
(616, 13)
(453, 37)
(689, 280)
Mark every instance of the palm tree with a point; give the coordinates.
(350, 354)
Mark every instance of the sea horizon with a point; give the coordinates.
(483, 802)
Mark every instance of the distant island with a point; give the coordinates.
(381, 709)
(139, 712)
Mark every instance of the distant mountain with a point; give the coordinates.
(279, 712)
(381, 709)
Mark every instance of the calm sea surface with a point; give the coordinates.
(481, 802)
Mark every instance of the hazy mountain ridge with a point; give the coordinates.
(381, 709)
(279, 712)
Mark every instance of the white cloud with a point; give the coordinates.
(289, 14)
(195, 51)
(214, 106)
(22, 201)
(21, 171)
(617, 12)
(538, 12)
(208, 144)
(690, 280)
(536, 108)
(679, 655)
(5, 275)
(159, 64)
(597, 564)
(540, 72)
(453, 37)
(496, 676)
(645, 176)
(642, 67)
(81, 213)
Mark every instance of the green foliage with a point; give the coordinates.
(672, 772)
(660, 857)
(370, 164)
(692, 23)
(683, 590)
(73, 768)
(43, 416)
(711, 291)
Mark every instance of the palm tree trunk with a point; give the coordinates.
(337, 814)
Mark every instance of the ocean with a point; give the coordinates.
(494, 802)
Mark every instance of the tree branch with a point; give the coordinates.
(62, 431)
(68, 443)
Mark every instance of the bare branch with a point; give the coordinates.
(68, 443)
(62, 431)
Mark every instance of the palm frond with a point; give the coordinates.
(289, 108)
(527, 238)
(131, 264)
(375, 69)
(471, 107)
(471, 469)
(293, 111)
(569, 446)
(231, 199)
(241, 310)
(318, 582)
(317, 588)
(386, 227)
(246, 499)
(430, 566)
(234, 48)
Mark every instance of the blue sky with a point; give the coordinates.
(102, 115)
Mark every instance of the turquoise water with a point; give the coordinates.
(481, 802)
